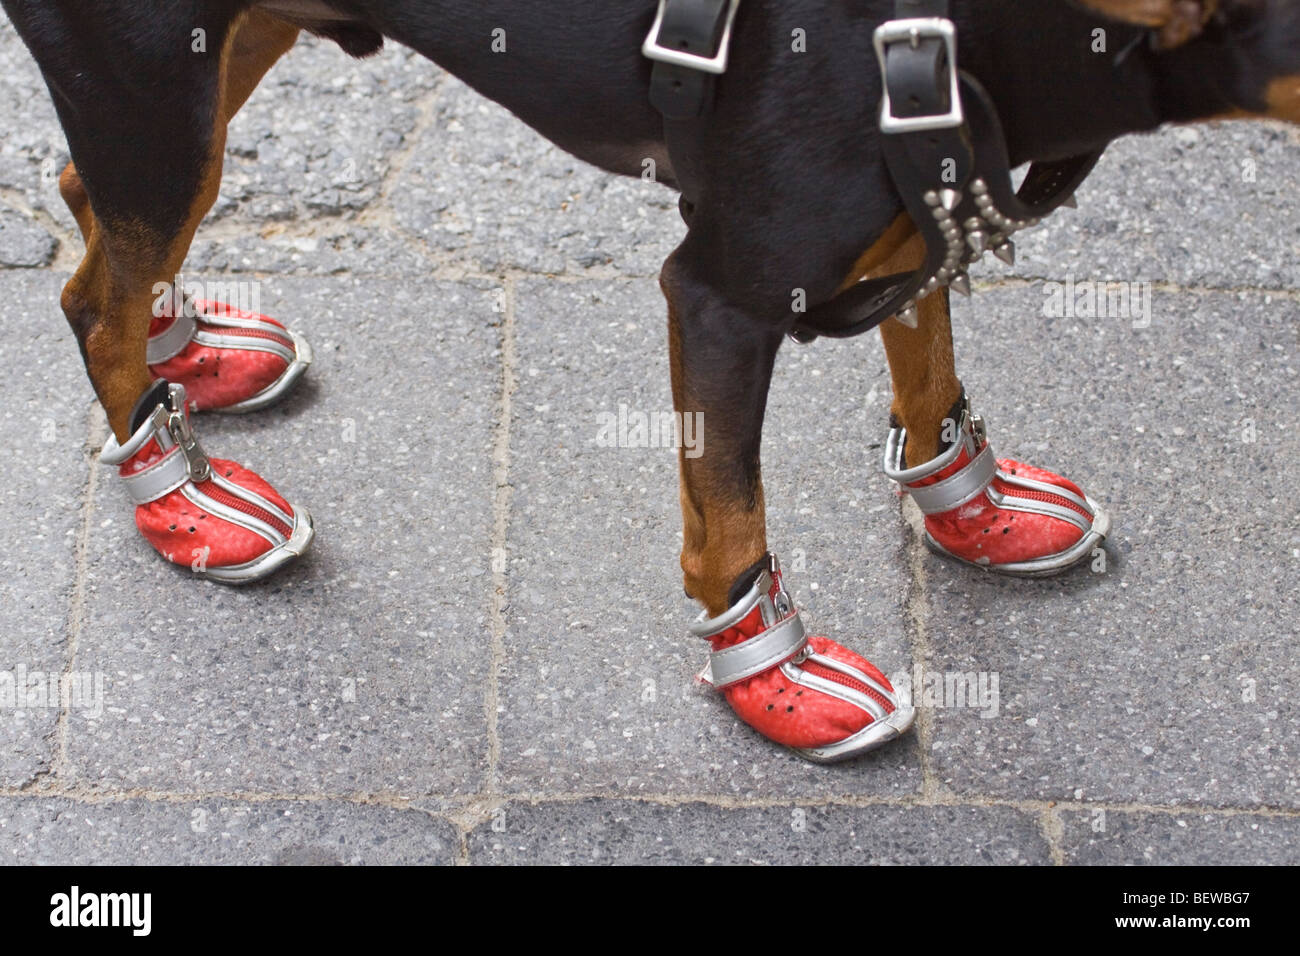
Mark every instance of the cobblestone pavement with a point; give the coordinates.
(485, 658)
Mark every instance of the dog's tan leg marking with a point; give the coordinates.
(872, 262)
(1284, 99)
(259, 41)
(109, 300)
(1177, 21)
(920, 360)
(1147, 13)
(723, 533)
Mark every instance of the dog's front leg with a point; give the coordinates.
(722, 364)
(999, 514)
(807, 693)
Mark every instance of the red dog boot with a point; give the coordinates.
(807, 693)
(997, 514)
(228, 360)
(215, 516)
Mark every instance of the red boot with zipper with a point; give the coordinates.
(213, 516)
(997, 514)
(228, 359)
(810, 694)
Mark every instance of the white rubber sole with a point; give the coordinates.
(280, 387)
(876, 734)
(1049, 565)
(266, 565)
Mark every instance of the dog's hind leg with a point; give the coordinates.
(145, 120)
(806, 693)
(998, 514)
(228, 357)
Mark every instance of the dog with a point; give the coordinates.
(812, 143)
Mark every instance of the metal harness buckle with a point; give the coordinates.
(654, 50)
(913, 31)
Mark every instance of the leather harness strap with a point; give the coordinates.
(940, 136)
(686, 43)
(690, 44)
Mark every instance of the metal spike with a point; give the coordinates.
(960, 283)
(1006, 252)
(950, 199)
(907, 316)
(978, 241)
(1072, 202)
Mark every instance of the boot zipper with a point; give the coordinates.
(826, 673)
(1014, 491)
(220, 495)
(245, 333)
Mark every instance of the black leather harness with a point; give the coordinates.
(940, 134)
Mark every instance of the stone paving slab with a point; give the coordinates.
(1210, 205)
(621, 832)
(51, 831)
(484, 188)
(44, 399)
(1111, 838)
(1166, 679)
(24, 243)
(597, 690)
(33, 150)
(311, 161)
(364, 667)
(321, 133)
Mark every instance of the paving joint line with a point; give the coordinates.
(75, 621)
(1052, 828)
(499, 554)
(426, 110)
(474, 809)
(446, 269)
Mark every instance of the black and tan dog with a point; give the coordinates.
(788, 192)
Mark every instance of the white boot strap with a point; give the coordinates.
(758, 654)
(172, 341)
(170, 426)
(957, 489)
(158, 480)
